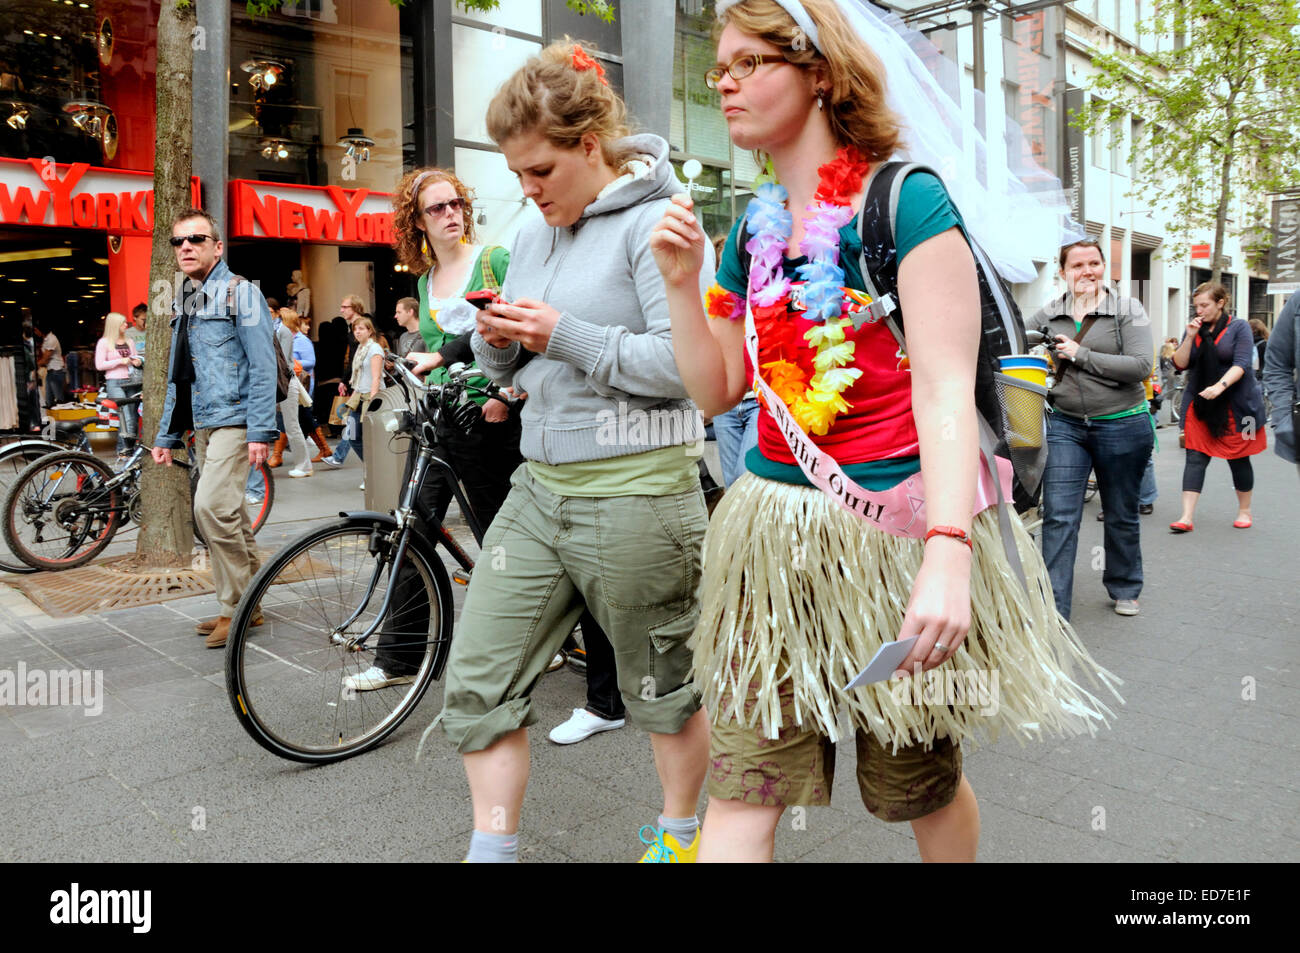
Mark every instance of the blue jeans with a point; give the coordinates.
(1117, 451)
(128, 417)
(736, 431)
(341, 451)
(1147, 492)
(55, 387)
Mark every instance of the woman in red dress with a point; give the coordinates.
(1223, 410)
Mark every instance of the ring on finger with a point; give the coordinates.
(941, 648)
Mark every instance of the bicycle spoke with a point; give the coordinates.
(292, 670)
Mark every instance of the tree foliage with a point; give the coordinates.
(1222, 111)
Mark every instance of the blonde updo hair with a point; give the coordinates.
(855, 102)
(550, 95)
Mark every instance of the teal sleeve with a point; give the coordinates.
(924, 210)
(731, 275)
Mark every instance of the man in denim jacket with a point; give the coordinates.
(221, 384)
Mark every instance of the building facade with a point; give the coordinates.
(304, 121)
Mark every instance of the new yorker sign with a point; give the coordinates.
(78, 195)
(310, 213)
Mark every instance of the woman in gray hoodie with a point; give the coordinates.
(607, 507)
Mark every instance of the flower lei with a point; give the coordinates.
(814, 401)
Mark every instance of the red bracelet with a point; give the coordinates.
(952, 531)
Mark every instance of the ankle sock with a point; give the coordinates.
(683, 829)
(492, 848)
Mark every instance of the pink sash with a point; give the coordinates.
(900, 510)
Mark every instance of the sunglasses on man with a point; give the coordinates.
(179, 240)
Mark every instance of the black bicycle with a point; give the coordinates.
(321, 609)
(65, 507)
(16, 455)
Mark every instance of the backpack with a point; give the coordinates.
(1002, 333)
(283, 372)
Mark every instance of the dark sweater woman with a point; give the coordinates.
(1223, 409)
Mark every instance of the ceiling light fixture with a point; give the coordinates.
(274, 147)
(263, 73)
(357, 143)
(18, 118)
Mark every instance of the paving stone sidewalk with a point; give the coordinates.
(1201, 764)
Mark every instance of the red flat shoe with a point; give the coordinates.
(1243, 524)
(1181, 527)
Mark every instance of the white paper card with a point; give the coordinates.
(884, 664)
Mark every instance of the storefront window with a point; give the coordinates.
(321, 94)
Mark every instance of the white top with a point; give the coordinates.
(51, 343)
(454, 314)
(361, 366)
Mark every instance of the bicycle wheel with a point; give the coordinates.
(59, 513)
(262, 488)
(15, 457)
(285, 678)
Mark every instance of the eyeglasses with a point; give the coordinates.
(435, 210)
(743, 66)
(179, 240)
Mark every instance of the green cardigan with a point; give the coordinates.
(494, 257)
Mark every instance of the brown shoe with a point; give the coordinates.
(276, 457)
(217, 637)
(325, 451)
(208, 625)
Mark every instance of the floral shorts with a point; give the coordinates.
(798, 767)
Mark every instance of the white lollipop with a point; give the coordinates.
(691, 168)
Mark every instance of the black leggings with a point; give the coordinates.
(1243, 474)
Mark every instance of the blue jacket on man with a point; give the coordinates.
(234, 364)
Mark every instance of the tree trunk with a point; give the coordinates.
(167, 536)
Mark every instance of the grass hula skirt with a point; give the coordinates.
(796, 589)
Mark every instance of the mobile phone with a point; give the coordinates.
(481, 299)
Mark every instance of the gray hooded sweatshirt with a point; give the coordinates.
(610, 356)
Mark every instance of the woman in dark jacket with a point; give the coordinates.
(1223, 409)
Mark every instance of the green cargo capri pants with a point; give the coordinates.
(634, 561)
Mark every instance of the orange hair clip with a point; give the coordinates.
(582, 60)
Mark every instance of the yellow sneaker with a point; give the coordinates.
(664, 848)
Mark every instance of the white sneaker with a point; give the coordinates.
(373, 678)
(582, 726)
(297, 472)
(1126, 607)
(252, 500)
(331, 462)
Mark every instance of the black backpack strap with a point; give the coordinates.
(879, 262)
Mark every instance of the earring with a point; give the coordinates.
(821, 99)
(424, 246)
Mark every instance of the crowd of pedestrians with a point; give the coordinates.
(728, 639)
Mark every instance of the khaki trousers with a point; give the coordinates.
(220, 513)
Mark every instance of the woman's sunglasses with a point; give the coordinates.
(438, 208)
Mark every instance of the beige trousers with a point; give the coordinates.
(219, 511)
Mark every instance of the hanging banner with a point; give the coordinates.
(1284, 256)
